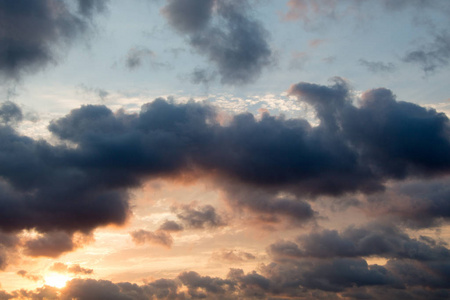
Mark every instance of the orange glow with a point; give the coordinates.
(56, 280)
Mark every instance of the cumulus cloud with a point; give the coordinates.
(226, 33)
(171, 226)
(201, 217)
(33, 31)
(266, 166)
(158, 237)
(51, 244)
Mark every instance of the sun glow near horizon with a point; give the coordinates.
(56, 280)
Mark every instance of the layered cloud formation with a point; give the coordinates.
(387, 159)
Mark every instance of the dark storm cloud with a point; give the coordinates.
(433, 56)
(266, 167)
(41, 189)
(377, 66)
(382, 240)
(226, 33)
(32, 32)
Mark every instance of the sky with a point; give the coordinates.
(224, 149)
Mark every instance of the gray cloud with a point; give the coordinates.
(136, 56)
(226, 33)
(52, 244)
(433, 56)
(10, 113)
(382, 240)
(33, 30)
(266, 167)
(377, 66)
(201, 217)
(416, 204)
(158, 237)
(171, 226)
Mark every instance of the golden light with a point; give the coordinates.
(56, 280)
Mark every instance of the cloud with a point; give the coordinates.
(90, 7)
(8, 246)
(10, 113)
(377, 66)
(51, 244)
(416, 204)
(232, 256)
(202, 217)
(433, 56)
(202, 76)
(380, 240)
(75, 269)
(265, 166)
(36, 31)
(309, 11)
(158, 237)
(226, 33)
(26, 275)
(171, 226)
(136, 56)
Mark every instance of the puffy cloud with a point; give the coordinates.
(265, 166)
(51, 244)
(225, 32)
(381, 240)
(158, 237)
(34, 30)
(202, 217)
(171, 226)
(10, 113)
